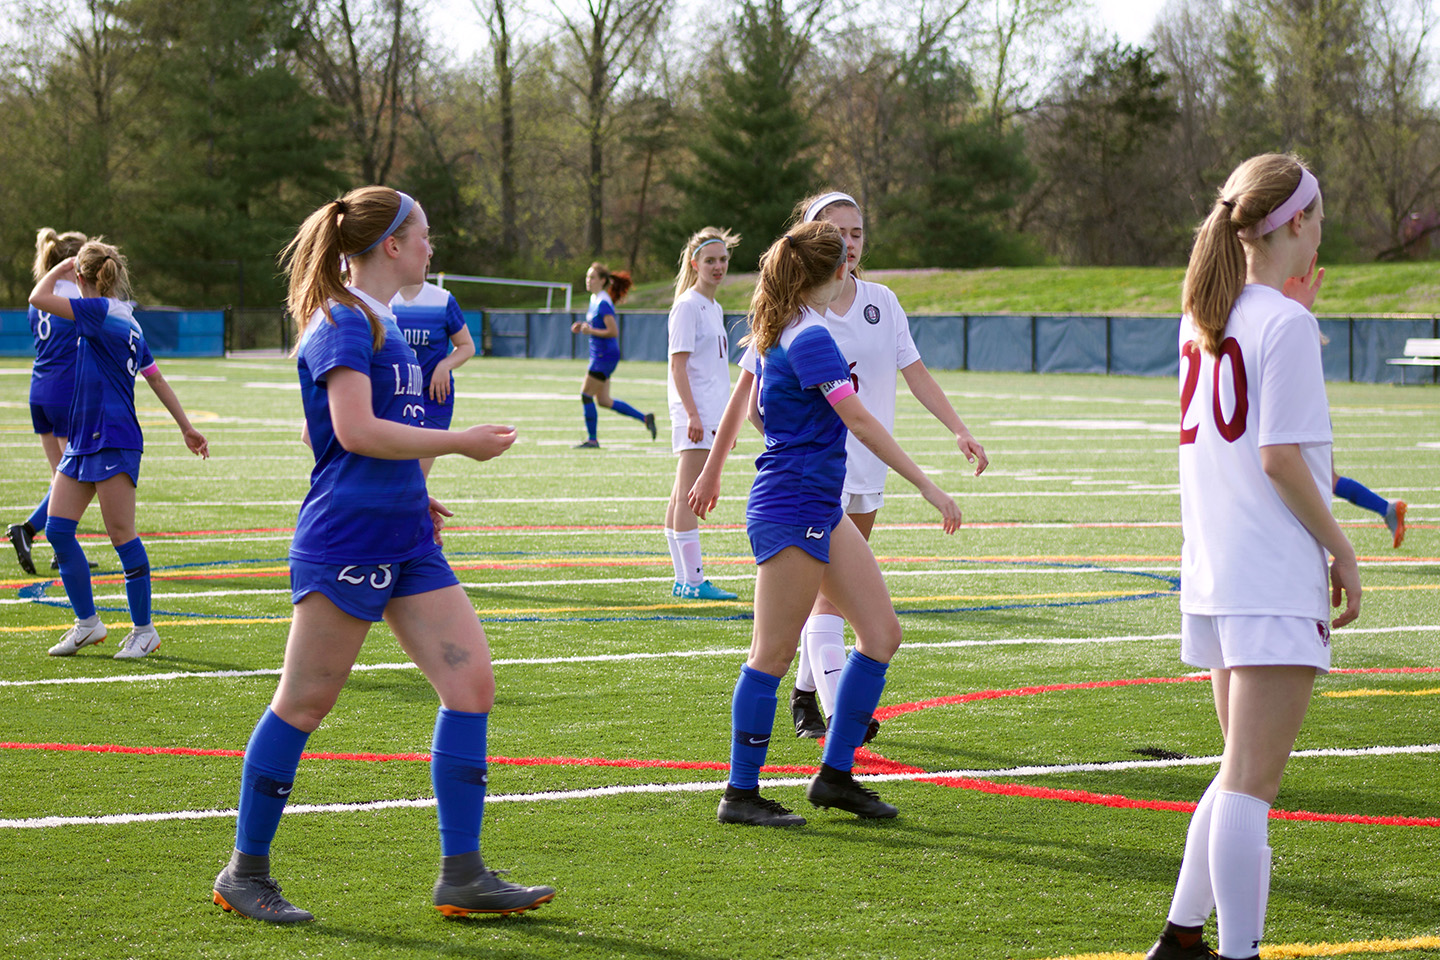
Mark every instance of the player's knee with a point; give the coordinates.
(587, 400)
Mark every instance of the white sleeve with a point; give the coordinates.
(905, 350)
(684, 319)
(1293, 406)
(748, 360)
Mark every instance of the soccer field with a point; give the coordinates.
(1041, 737)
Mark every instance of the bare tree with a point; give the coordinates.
(609, 38)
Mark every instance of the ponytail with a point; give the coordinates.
(1237, 222)
(616, 284)
(105, 268)
(52, 247)
(804, 258)
(347, 228)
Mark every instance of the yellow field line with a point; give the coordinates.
(1289, 951)
(1383, 693)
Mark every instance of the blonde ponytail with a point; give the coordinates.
(105, 268)
(52, 247)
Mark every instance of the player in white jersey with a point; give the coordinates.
(698, 388)
(873, 333)
(1255, 447)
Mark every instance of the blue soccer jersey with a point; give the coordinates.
(361, 509)
(799, 476)
(109, 353)
(52, 379)
(602, 349)
(428, 322)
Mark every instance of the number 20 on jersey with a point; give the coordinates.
(1231, 429)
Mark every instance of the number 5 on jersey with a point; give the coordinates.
(1233, 428)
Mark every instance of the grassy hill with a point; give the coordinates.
(1350, 289)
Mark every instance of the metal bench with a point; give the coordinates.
(1419, 352)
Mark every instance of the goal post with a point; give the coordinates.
(550, 286)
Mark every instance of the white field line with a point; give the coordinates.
(36, 823)
(1338, 636)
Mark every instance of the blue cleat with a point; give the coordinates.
(704, 591)
(678, 589)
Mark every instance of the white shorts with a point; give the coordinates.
(680, 439)
(1240, 641)
(862, 502)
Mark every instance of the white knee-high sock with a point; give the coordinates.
(1194, 895)
(1240, 870)
(825, 650)
(691, 566)
(675, 559)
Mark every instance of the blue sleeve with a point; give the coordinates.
(90, 314)
(345, 343)
(605, 309)
(454, 319)
(816, 359)
(143, 358)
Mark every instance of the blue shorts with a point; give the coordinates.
(768, 539)
(102, 465)
(601, 369)
(364, 589)
(51, 418)
(438, 415)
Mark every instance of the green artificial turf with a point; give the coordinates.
(1063, 576)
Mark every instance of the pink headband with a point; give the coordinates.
(1305, 193)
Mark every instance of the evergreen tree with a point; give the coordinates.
(751, 159)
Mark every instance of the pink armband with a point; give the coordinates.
(837, 390)
(153, 368)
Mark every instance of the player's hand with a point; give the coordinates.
(949, 510)
(1303, 290)
(1345, 579)
(694, 429)
(440, 384)
(197, 443)
(704, 494)
(438, 513)
(65, 269)
(485, 441)
(973, 452)
(577, 326)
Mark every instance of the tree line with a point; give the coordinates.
(197, 133)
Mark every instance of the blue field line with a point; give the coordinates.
(36, 593)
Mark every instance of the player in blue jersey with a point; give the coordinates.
(366, 548)
(102, 454)
(52, 383)
(802, 539)
(602, 326)
(431, 322)
(1391, 511)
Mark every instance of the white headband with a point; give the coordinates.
(813, 211)
(1305, 193)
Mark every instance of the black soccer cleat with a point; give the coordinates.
(22, 536)
(847, 794)
(1168, 948)
(650, 425)
(809, 722)
(487, 893)
(750, 808)
(258, 898)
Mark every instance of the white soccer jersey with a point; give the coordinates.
(697, 327)
(1245, 552)
(874, 335)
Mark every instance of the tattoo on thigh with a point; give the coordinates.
(455, 656)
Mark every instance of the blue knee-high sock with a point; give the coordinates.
(459, 772)
(136, 564)
(74, 571)
(856, 697)
(271, 758)
(41, 514)
(592, 418)
(752, 718)
(1361, 495)
(620, 406)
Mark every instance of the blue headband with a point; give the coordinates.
(407, 203)
(696, 252)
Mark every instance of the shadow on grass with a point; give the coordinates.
(535, 935)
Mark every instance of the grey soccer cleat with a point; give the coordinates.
(256, 897)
